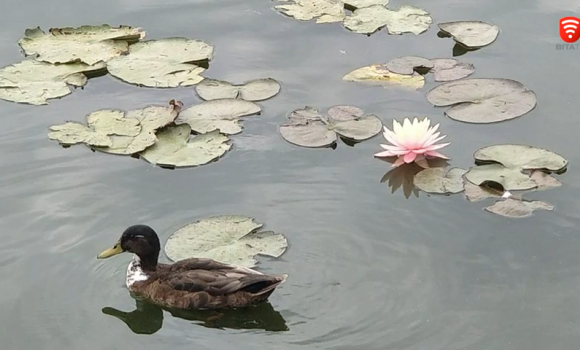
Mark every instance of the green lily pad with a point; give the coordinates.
(509, 178)
(324, 11)
(483, 100)
(440, 180)
(164, 63)
(231, 239)
(378, 74)
(309, 128)
(222, 114)
(449, 69)
(35, 82)
(521, 157)
(514, 208)
(175, 148)
(86, 44)
(253, 90)
(471, 34)
(406, 19)
(475, 193)
(407, 64)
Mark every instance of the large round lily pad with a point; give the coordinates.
(222, 114)
(86, 44)
(515, 208)
(309, 128)
(521, 157)
(175, 148)
(324, 11)
(229, 239)
(405, 19)
(253, 90)
(164, 63)
(471, 34)
(483, 100)
(378, 74)
(440, 180)
(35, 82)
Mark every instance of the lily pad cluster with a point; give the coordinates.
(64, 58)
(253, 90)
(366, 17)
(161, 135)
(499, 171)
(307, 127)
(232, 239)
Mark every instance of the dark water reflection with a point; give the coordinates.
(368, 268)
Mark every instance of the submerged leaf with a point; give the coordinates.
(483, 100)
(174, 148)
(406, 19)
(514, 208)
(407, 65)
(228, 238)
(35, 82)
(475, 193)
(222, 114)
(86, 44)
(253, 90)
(440, 180)
(521, 157)
(448, 69)
(471, 34)
(162, 63)
(324, 11)
(378, 74)
(544, 181)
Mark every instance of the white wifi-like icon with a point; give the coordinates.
(570, 28)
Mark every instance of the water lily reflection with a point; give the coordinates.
(147, 318)
(402, 176)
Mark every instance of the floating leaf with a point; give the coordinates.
(544, 181)
(100, 126)
(440, 180)
(86, 44)
(222, 115)
(364, 3)
(324, 11)
(475, 193)
(308, 128)
(162, 63)
(378, 74)
(174, 148)
(448, 69)
(514, 208)
(229, 239)
(406, 19)
(510, 179)
(471, 34)
(407, 65)
(521, 157)
(35, 82)
(254, 90)
(483, 100)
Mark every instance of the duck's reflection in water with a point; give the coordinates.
(147, 318)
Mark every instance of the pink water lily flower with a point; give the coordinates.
(412, 142)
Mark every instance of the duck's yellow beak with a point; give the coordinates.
(111, 251)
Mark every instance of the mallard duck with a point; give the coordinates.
(189, 283)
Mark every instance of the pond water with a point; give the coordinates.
(369, 268)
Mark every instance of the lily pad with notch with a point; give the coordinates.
(309, 128)
(440, 180)
(232, 239)
(521, 157)
(470, 34)
(405, 19)
(378, 74)
(324, 11)
(408, 64)
(253, 90)
(483, 100)
(443, 69)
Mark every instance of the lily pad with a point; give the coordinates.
(471, 34)
(509, 178)
(86, 44)
(253, 90)
(309, 128)
(544, 181)
(448, 69)
(174, 148)
(521, 157)
(35, 82)
(483, 100)
(440, 180)
(406, 19)
(222, 114)
(229, 239)
(364, 3)
(324, 11)
(407, 65)
(164, 63)
(378, 74)
(514, 208)
(475, 193)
